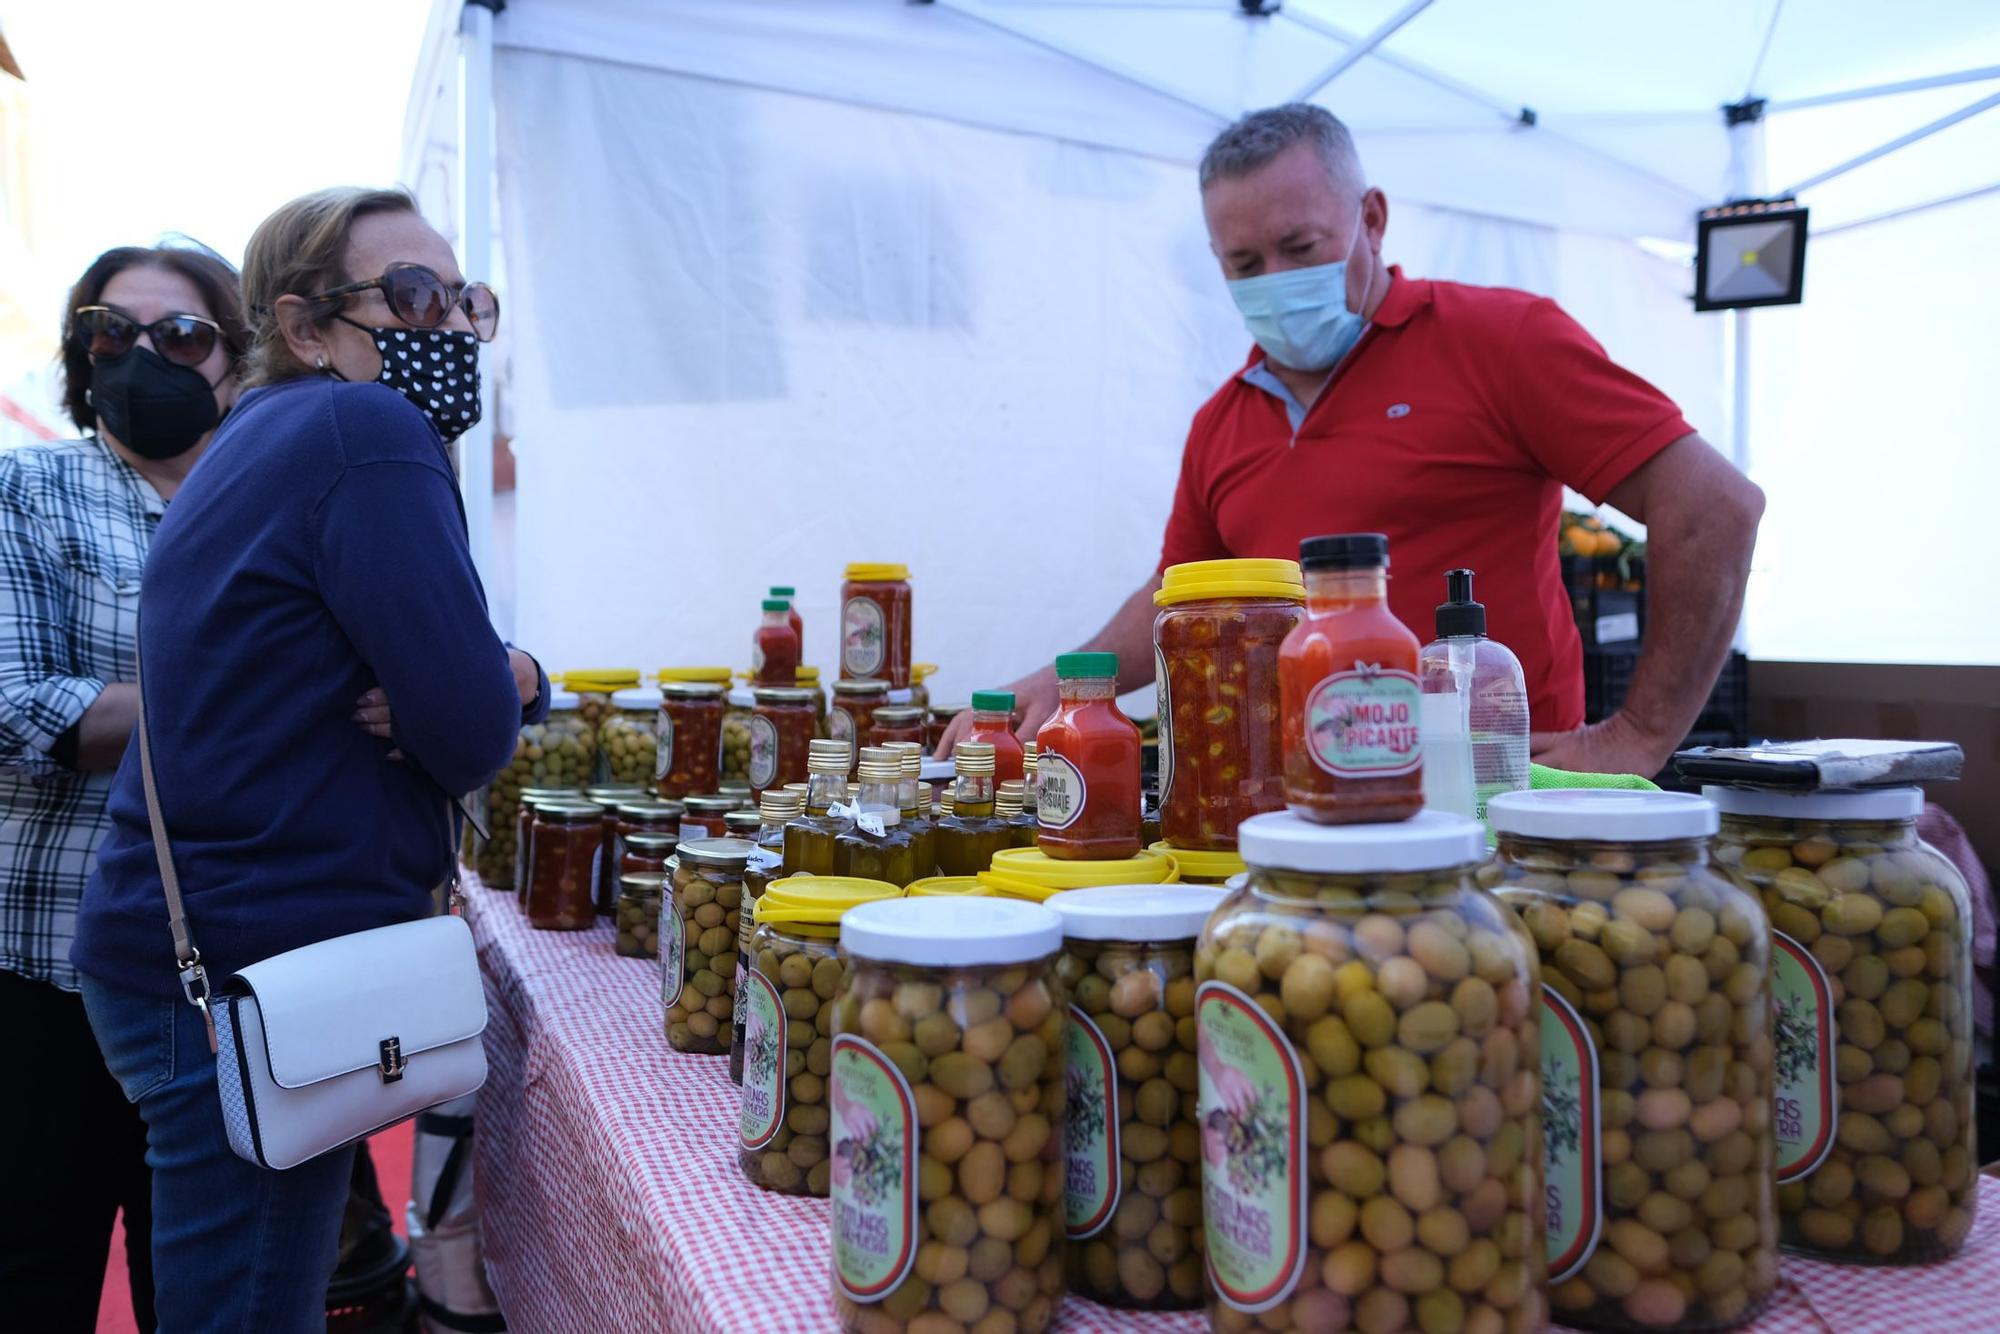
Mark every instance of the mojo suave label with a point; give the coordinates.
(1163, 693)
(1572, 1135)
(1063, 792)
(1802, 1023)
(763, 752)
(873, 1133)
(763, 1059)
(1252, 1114)
(1366, 723)
(863, 642)
(1090, 1129)
(673, 950)
(663, 757)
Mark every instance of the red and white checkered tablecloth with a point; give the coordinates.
(611, 1199)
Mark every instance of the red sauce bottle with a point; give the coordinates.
(993, 721)
(1088, 769)
(774, 659)
(790, 597)
(1350, 702)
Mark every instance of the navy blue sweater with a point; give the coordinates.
(316, 550)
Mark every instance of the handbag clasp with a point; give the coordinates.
(391, 1062)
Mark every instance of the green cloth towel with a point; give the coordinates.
(1542, 779)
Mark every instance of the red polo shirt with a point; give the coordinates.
(1452, 427)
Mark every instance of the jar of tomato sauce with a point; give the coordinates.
(855, 700)
(781, 730)
(563, 855)
(897, 722)
(1215, 656)
(690, 738)
(706, 816)
(774, 651)
(938, 723)
(1351, 702)
(993, 723)
(875, 622)
(1088, 766)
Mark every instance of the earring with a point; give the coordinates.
(319, 363)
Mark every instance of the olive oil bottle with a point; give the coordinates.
(972, 833)
(1010, 805)
(912, 797)
(875, 846)
(809, 839)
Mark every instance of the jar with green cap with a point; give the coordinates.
(875, 622)
(993, 723)
(1132, 1142)
(792, 973)
(1215, 663)
(1087, 767)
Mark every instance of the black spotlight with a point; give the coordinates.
(1750, 252)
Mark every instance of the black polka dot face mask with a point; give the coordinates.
(436, 369)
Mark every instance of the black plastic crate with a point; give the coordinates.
(1607, 676)
(1606, 617)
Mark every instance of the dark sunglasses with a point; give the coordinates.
(185, 340)
(422, 300)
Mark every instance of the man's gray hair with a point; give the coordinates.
(1261, 135)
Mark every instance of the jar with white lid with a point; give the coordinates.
(1370, 1101)
(629, 736)
(1132, 1141)
(1872, 973)
(1656, 1058)
(947, 1098)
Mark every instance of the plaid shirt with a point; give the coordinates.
(75, 524)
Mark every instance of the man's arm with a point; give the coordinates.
(1129, 634)
(1701, 518)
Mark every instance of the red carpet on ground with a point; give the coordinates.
(392, 1168)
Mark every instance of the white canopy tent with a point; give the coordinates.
(796, 282)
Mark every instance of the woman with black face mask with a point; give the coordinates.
(151, 344)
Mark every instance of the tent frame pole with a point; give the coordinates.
(1979, 75)
(1362, 49)
(475, 211)
(1901, 141)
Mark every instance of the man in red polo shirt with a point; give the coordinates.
(1448, 417)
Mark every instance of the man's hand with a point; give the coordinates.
(1035, 700)
(372, 715)
(1614, 746)
(527, 677)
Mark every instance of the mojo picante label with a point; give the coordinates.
(1251, 1110)
(1572, 1136)
(863, 642)
(1802, 1022)
(1365, 723)
(1063, 792)
(763, 1059)
(1090, 1128)
(673, 951)
(873, 1134)
(763, 752)
(1163, 693)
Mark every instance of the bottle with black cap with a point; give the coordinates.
(1475, 708)
(1350, 701)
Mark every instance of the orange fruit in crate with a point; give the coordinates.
(1609, 544)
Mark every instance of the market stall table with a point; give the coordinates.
(611, 1198)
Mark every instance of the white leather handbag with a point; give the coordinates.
(323, 1045)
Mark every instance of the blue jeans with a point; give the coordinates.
(237, 1248)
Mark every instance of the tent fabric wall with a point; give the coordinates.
(762, 334)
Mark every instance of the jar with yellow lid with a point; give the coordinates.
(698, 943)
(947, 1095)
(1215, 646)
(1033, 875)
(595, 689)
(765, 867)
(1132, 1141)
(1202, 868)
(791, 975)
(629, 738)
(954, 886)
(1369, 1094)
(639, 897)
(739, 707)
(688, 736)
(1656, 1055)
(556, 754)
(875, 622)
(1872, 974)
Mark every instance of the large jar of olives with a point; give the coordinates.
(1656, 1058)
(1132, 1143)
(1215, 649)
(555, 754)
(739, 706)
(639, 896)
(629, 737)
(792, 971)
(1872, 972)
(595, 689)
(947, 1109)
(1370, 1101)
(698, 943)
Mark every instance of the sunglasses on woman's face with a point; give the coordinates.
(422, 300)
(185, 340)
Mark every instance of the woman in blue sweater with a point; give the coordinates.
(317, 553)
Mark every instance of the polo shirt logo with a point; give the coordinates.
(1398, 410)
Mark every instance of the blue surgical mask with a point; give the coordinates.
(1300, 316)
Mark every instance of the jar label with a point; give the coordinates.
(1163, 695)
(673, 950)
(1063, 792)
(1808, 1105)
(873, 1134)
(1090, 1131)
(763, 1059)
(1365, 723)
(663, 757)
(863, 641)
(840, 725)
(1251, 1109)
(1572, 1137)
(763, 752)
